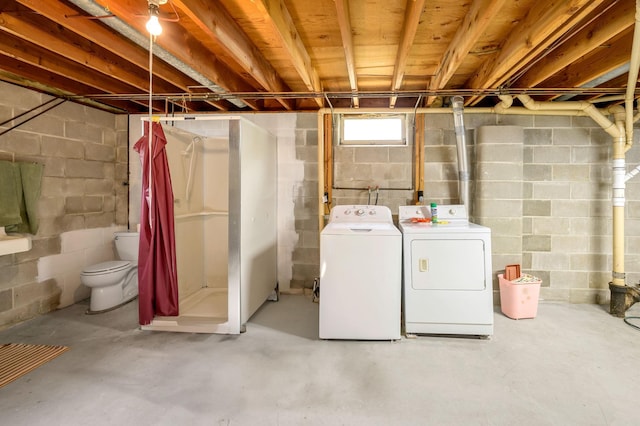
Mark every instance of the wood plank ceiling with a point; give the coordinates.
(300, 55)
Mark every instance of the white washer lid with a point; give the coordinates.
(105, 267)
(362, 228)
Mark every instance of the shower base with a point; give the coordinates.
(206, 302)
(205, 311)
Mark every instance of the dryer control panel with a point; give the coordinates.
(361, 213)
(446, 212)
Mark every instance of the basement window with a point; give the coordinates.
(373, 130)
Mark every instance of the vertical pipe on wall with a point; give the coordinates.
(618, 202)
(618, 286)
(622, 296)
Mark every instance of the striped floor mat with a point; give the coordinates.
(17, 359)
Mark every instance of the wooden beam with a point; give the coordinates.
(328, 160)
(184, 46)
(214, 21)
(65, 43)
(14, 71)
(480, 15)
(92, 30)
(277, 13)
(545, 23)
(344, 22)
(618, 18)
(52, 67)
(413, 12)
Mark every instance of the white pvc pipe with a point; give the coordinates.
(584, 106)
(618, 202)
(479, 110)
(618, 198)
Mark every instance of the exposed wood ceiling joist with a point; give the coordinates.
(214, 21)
(101, 36)
(344, 23)
(276, 12)
(412, 19)
(300, 55)
(616, 18)
(474, 24)
(545, 23)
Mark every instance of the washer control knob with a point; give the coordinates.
(347, 212)
(372, 212)
(360, 212)
(452, 212)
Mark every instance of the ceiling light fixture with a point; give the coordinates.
(153, 24)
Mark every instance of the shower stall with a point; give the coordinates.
(223, 173)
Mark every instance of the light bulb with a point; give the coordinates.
(153, 26)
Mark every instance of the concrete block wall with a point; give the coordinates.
(358, 168)
(84, 152)
(543, 185)
(568, 218)
(498, 198)
(306, 254)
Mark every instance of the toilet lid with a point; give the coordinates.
(107, 267)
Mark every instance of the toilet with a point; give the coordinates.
(115, 282)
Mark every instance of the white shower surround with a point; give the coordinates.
(235, 192)
(290, 177)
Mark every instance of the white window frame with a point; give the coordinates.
(395, 140)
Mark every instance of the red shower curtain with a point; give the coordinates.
(157, 276)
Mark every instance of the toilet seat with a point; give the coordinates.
(107, 267)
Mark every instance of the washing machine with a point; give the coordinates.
(360, 275)
(447, 275)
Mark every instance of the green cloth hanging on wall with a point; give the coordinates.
(10, 187)
(20, 185)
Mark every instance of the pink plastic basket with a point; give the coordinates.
(519, 300)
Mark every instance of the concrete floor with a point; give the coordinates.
(572, 365)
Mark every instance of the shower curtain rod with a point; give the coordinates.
(193, 118)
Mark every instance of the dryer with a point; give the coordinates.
(360, 275)
(447, 274)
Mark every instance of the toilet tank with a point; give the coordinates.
(127, 245)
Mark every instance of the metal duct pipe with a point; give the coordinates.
(457, 103)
